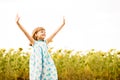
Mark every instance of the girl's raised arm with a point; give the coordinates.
(49, 39)
(24, 31)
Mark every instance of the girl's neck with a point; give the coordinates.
(40, 40)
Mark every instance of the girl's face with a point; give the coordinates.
(41, 35)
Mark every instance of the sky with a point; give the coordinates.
(90, 24)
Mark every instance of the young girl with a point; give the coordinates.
(41, 65)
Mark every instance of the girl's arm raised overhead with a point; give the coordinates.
(49, 39)
(24, 31)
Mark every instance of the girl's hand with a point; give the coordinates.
(63, 21)
(17, 18)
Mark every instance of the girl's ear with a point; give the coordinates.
(35, 36)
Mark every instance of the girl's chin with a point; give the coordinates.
(42, 38)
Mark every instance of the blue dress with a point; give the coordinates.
(41, 65)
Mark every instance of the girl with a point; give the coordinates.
(41, 64)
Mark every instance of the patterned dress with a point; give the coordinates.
(41, 65)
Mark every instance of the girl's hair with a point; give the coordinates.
(35, 31)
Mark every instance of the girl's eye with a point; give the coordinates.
(43, 32)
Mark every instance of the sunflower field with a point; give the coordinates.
(70, 64)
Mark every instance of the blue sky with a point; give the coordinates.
(89, 23)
